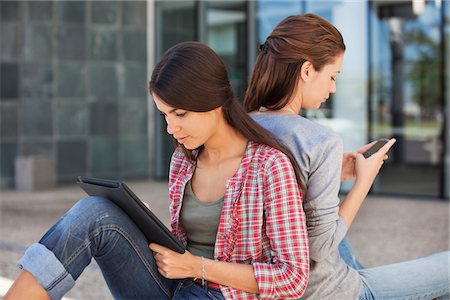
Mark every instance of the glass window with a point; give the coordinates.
(407, 95)
(446, 165)
(225, 31)
(176, 21)
(270, 13)
(346, 110)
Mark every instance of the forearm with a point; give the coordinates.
(352, 202)
(235, 275)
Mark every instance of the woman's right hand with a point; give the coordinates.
(366, 169)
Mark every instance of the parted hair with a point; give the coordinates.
(295, 40)
(191, 76)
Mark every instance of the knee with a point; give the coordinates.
(95, 209)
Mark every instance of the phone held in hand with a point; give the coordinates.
(380, 143)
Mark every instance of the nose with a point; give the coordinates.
(333, 87)
(172, 127)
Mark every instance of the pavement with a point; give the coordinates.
(386, 230)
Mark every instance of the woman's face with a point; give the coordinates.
(320, 84)
(191, 129)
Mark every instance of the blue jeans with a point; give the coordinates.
(346, 253)
(423, 278)
(96, 228)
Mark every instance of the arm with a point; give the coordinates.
(286, 273)
(322, 160)
(173, 265)
(287, 276)
(366, 170)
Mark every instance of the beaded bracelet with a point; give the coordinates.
(203, 271)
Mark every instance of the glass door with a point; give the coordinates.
(176, 21)
(407, 94)
(224, 29)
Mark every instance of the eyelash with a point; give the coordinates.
(333, 78)
(179, 115)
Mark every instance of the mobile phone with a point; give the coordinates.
(380, 143)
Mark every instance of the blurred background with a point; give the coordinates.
(74, 101)
(74, 76)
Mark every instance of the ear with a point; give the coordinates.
(306, 71)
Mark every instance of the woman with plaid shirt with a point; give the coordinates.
(235, 204)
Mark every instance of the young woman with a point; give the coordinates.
(235, 204)
(297, 69)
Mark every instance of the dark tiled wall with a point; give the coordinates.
(73, 85)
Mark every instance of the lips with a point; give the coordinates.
(181, 139)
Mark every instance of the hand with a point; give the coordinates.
(348, 166)
(174, 265)
(366, 169)
(348, 162)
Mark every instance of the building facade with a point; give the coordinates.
(73, 88)
(73, 81)
(394, 81)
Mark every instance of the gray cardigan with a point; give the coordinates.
(318, 151)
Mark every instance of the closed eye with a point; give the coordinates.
(180, 114)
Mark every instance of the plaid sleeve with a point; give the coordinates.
(287, 274)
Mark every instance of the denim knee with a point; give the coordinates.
(87, 230)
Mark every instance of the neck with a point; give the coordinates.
(225, 144)
(286, 110)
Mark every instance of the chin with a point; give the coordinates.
(191, 146)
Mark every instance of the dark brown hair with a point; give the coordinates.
(295, 40)
(192, 76)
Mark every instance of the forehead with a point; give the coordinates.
(161, 105)
(335, 65)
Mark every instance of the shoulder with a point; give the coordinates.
(178, 162)
(177, 157)
(299, 133)
(266, 158)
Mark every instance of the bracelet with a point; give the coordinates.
(203, 271)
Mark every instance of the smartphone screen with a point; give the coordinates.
(380, 143)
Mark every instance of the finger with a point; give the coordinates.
(157, 248)
(350, 155)
(366, 147)
(387, 146)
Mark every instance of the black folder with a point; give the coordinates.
(119, 193)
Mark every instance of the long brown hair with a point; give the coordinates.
(192, 76)
(295, 40)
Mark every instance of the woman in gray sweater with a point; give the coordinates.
(297, 69)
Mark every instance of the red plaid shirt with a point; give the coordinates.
(262, 221)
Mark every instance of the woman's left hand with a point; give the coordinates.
(174, 265)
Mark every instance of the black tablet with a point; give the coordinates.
(119, 193)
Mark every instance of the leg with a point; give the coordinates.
(346, 253)
(26, 287)
(423, 278)
(96, 228)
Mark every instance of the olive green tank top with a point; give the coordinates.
(201, 222)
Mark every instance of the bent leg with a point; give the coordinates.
(347, 255)
(96, 228)
(26, 287)
(424, 278)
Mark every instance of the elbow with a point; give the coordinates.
(296, 283)
(321, 247)
(318, 255)
(300, 287)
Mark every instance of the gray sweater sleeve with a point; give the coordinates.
(326, 228)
